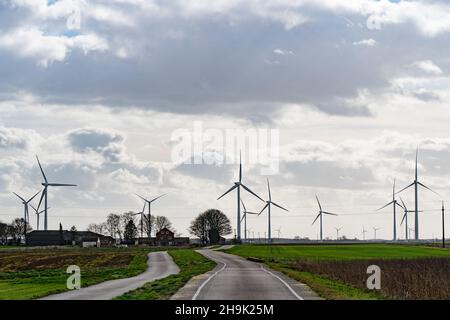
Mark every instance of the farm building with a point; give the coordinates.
(165, 237)
(65, 237)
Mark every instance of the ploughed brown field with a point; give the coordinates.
(424, 278)
(45, 259)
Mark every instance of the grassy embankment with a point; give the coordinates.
(30, 274)
(339, 271)
(190, 263)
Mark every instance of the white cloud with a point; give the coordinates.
(30, 42)
(428, 66)
(365, 43)
(283, 52)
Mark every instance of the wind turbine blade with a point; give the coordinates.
(243, 205)
(142, 198)
(243, 186)
(33, 208)
(267, 204)
(393, 189)
(158, 197)
(404, 205)
(318, 202)
(405, 188)
(277, 205)
(62, 185)
(398, 204)
(240, 166)
(229, 190)
(316, 219)
(33, 197)
(19, 197)
(145, 203)
(268, 188)
(386, 205)
(243, 216)
(42, 170)
(42, 197)
(417, 154)
(248, 212)
(333, 214)
(421, 184)
(403, 219)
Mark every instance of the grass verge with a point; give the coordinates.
(325, 287)
(21, 281)
(190, 263)
(340, 271)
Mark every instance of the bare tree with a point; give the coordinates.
(3, 233)
(112, 224)
(162, 222)
(210, 225)
(18, 229)
(149, 226)
(97, 228)
(125, 218)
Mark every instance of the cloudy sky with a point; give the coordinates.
(98, 89)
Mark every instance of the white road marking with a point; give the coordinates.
(284, 282)
(207, 280)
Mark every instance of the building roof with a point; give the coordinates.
(165, 229)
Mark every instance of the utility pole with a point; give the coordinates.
(443, 225)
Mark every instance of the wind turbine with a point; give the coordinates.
(364, 231)
(268, 204)
(278, 231)
(416, 183)
(25, 203)
(410, 229)
(244, 217)
(149, 202)
(26, 216)
(238, 185)
(142, 218)
(38, 213)
(321, 213)
(443, 225)
(394, 203)
(405, 217)
(375, 232)
(337, 232)
(44, 195)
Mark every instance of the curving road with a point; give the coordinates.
(160, 265)
(236, 278)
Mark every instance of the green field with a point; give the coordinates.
(337, 252)
(32, 274)
(339, 271)
(190, 263)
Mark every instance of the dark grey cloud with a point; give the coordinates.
(209, 65)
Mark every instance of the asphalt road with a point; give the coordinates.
(160, 265)
(236, 278)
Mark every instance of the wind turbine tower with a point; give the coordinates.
(337, 232)
(268, 206)
(320, 215)
(244, 217)
(237, 185)
(149, 202)
(416, 183)
(44, 195)
(394, 203)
